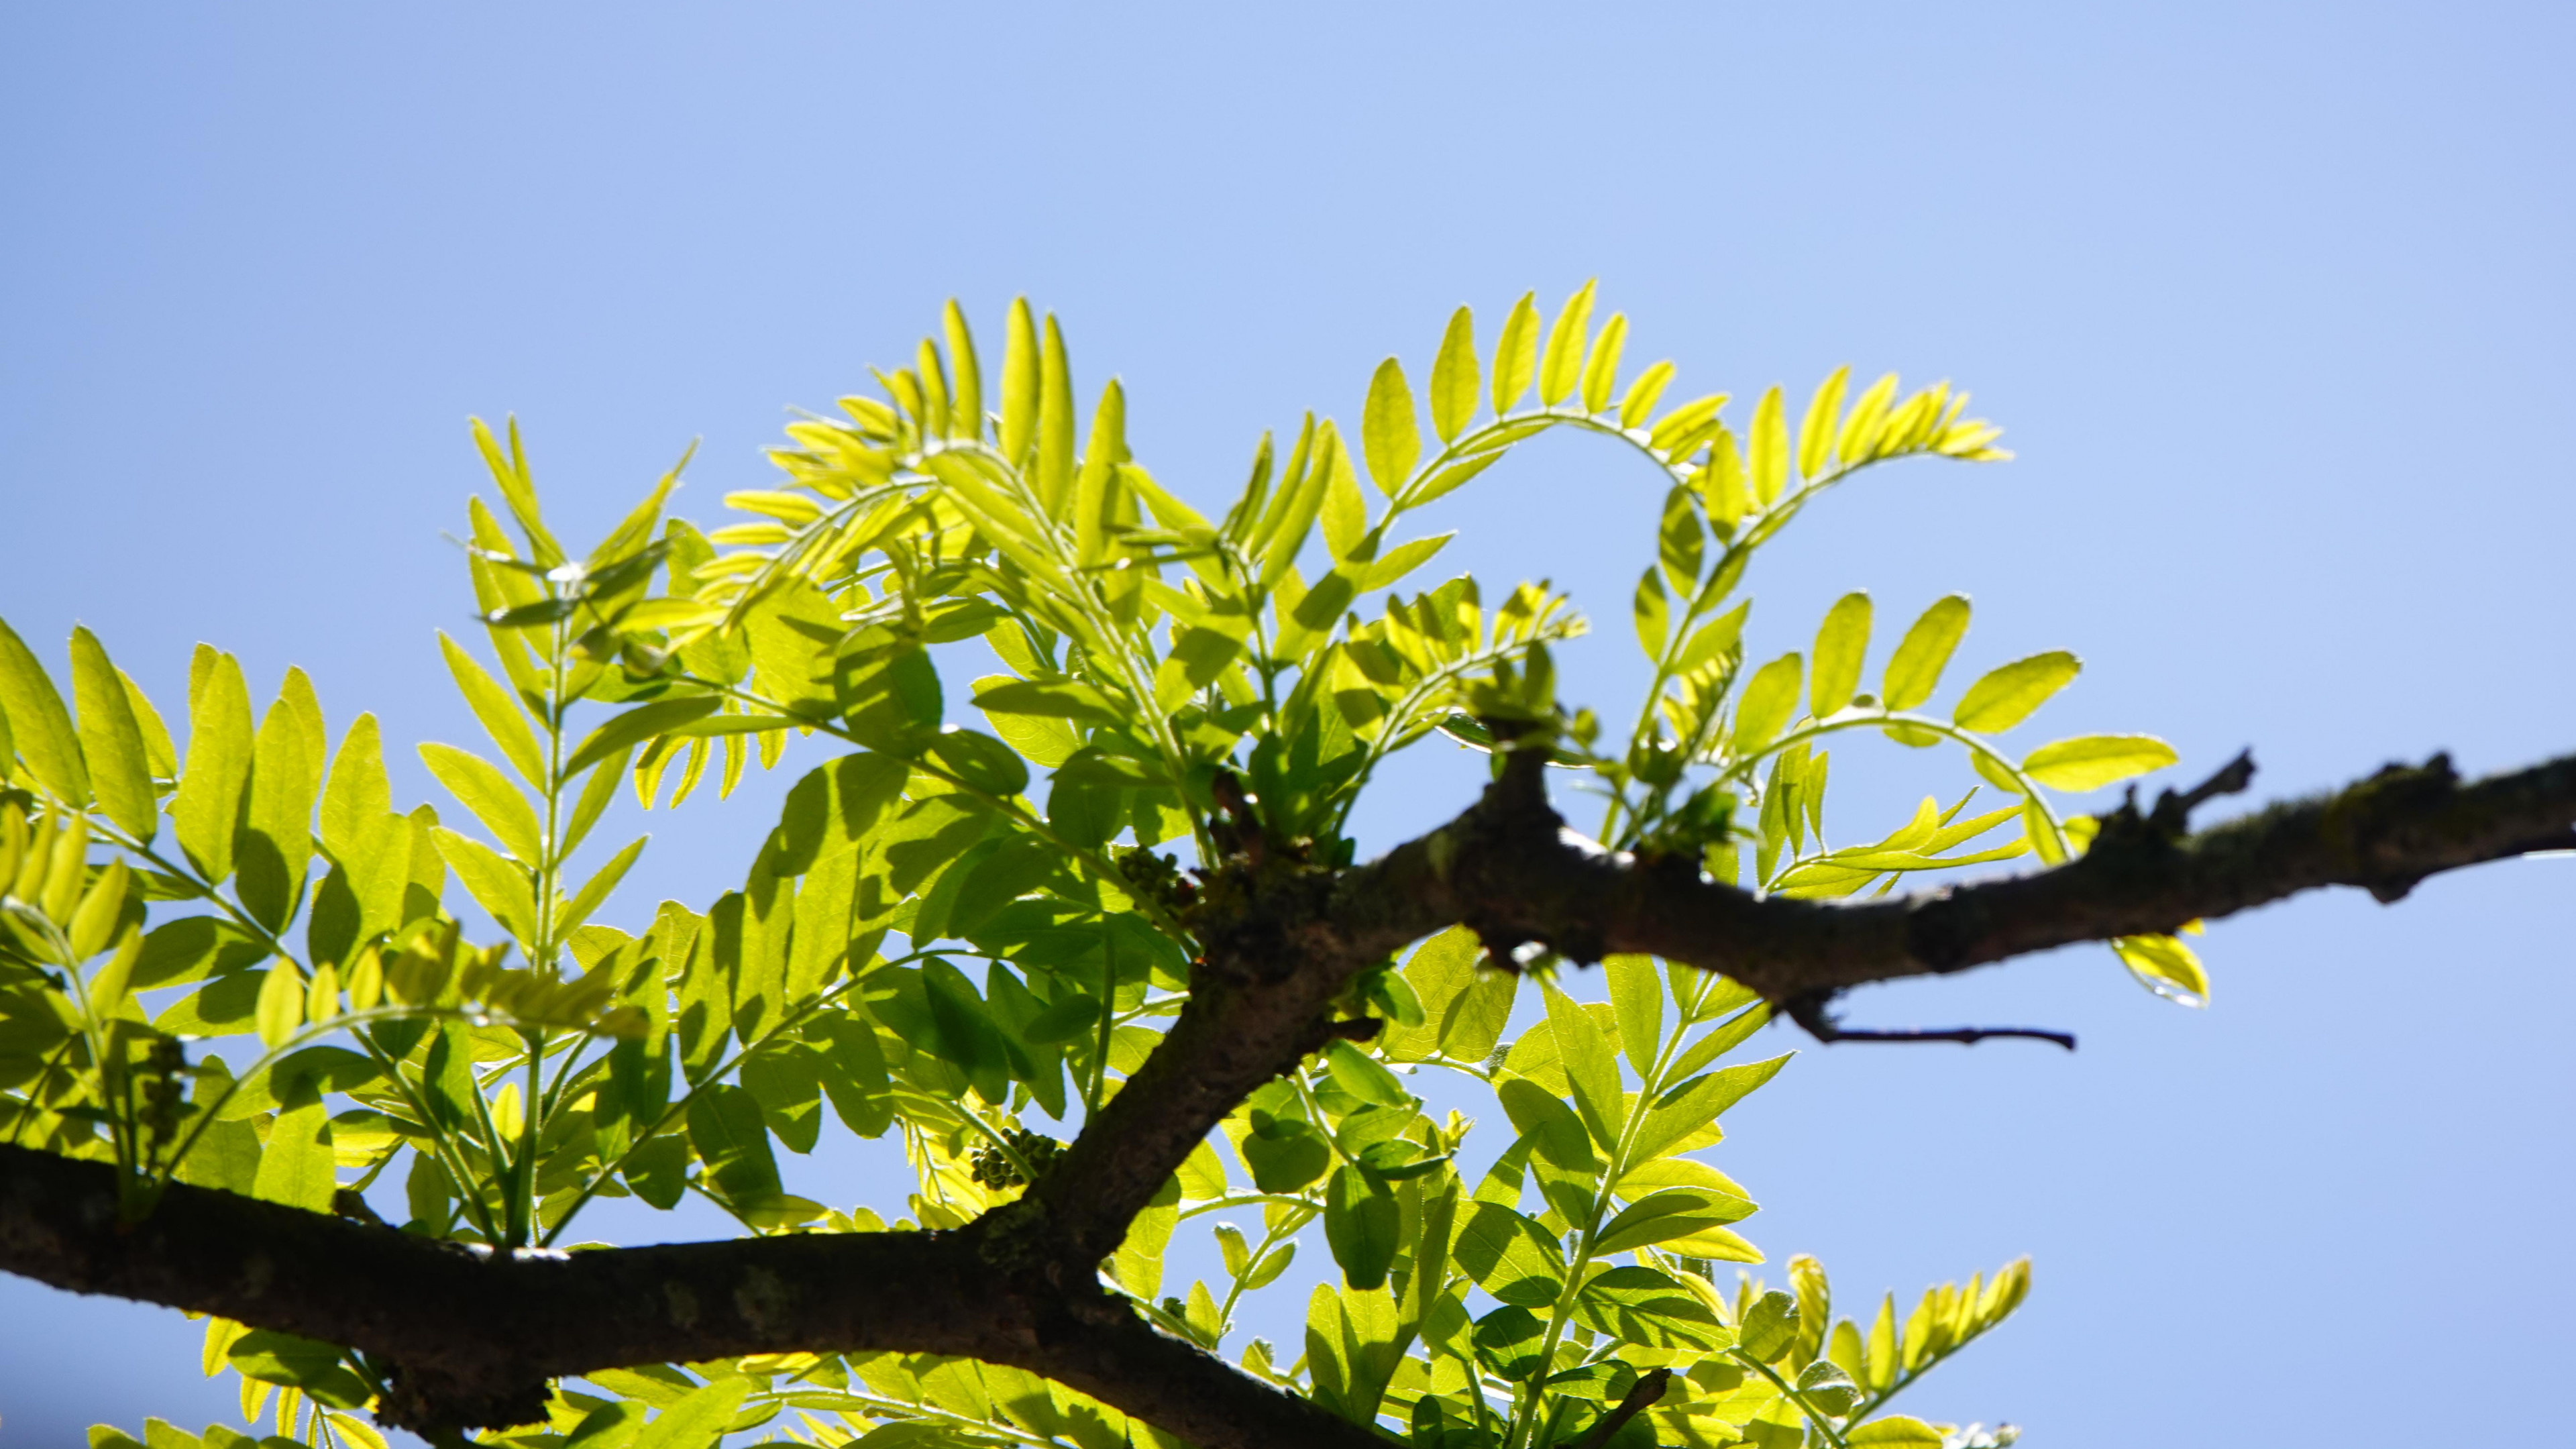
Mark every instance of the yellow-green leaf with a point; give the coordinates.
(38, 722)
(1653, 611)
(1454, 379)
(1601, 371)
(1563, 365)
(1769, 703)
(281, 1003)
(1914, 671)
(1054, 473)
(1768, 446)
(2166, 967)
(207, 809)
(1516, 353)
(295, 1166)
(2006, 696)
(1644, 393)
(1389, 435)
(966, 410)
(1816, 433)
(1019, 383)
(480, 786)
(498, 710)
(2089, 762)
(1842, 645)
(120, 768)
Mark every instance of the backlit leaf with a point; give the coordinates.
(1914, 670)
(1389, 437)
(1842, 646)
(2089, 762)
(1454, 380)
(2006, 696)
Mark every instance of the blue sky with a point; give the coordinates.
(2272, 300)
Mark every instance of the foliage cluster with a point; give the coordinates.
(970, 934)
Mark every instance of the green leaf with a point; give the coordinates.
(1914, 670)
(281, 1003)
(276, 840)
(1642, 1306)
(1769, 703)
(479, 786)
(296, 1167)
(980, 761)
(498, 884)
(1816, 433)
(1563, 366)
(1767, 460)
(120, 767)
(498, 709)
(1389, 437)
(38, 722)
(594, 892)
(2166, 967)
(1601, 370)
(1660, 1217)
(1680, 542)
(966, 412)
(1516, 354)
(518, 489)
(1047, 698)
(1713, 638)
(1510, 1256)
(644, 722)
(1551, 1128)
(1364, 1225)
(1442, 973)
(1637, 995)
(1054, 472)
(1591, 1065)
(1284, 1153)
(2006, 696)
(1653, 611)
(1019, 384)
(1842, 645)
(731, 1137)
(1511, 1341)
(697, 1421)
(1643, 394)
(2089, 762)
(1896, 1429)
(1454, 380)
(358, 794)
(1692, 1106)
(1356, 1073)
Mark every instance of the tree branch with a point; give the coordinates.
(1516, 875)
(474, 1340)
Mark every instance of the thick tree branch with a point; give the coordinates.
(1509, 869)
(473, 1341)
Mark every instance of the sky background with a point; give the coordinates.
(2272, 301)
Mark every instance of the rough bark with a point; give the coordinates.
(473, 1341)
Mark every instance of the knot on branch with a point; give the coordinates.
(2129, 836)
(433, 1402)
(2368, 823)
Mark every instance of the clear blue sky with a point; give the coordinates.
(2274, 301)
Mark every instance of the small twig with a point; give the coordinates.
(1813, 1012)
(1649, 1388)
(2173, 812)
